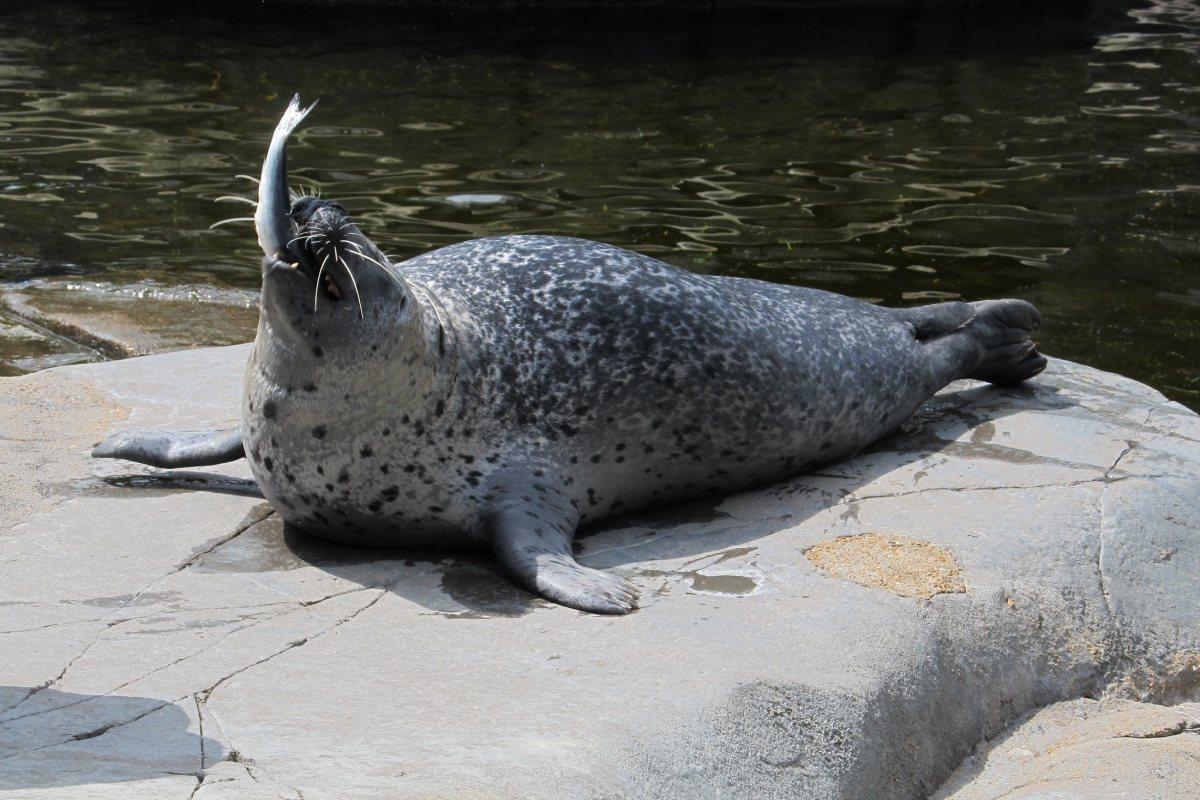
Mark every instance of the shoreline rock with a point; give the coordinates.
(116, 321)
(162, 634)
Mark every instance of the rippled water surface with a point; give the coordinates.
(907, 160)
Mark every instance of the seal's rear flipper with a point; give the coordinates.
(533, 542)
(173, 448)
(938, 319)
(994, 342)
(1005, 329)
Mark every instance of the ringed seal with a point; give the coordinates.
(502, 391)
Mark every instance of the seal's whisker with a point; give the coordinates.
(386, 271)
(353, 283)
(235, 199)
(230, 221)
(304, 191)
(247, 177)
(317, 282)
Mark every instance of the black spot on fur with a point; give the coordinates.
(319, 432)
(269, 409)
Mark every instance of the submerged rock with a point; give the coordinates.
(854, 633)
(118, 321)
(26, 346)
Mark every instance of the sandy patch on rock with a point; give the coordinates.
(906, 566)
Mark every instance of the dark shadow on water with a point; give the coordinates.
(50, 738)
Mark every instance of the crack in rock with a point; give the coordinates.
(203, 695)
(92, 734)
(253, 518)
(1180, 728)
(1101, 575)
(206, 694)
(159, 668)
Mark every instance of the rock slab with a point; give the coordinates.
(869, 630)
(54, 322)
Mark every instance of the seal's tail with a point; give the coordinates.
(1004, 331)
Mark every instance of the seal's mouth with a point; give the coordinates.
(313, 236)
(326, 242)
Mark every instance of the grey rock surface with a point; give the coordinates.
(853, 633)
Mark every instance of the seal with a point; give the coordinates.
(503, 391)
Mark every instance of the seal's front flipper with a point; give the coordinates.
(534, 545)
(173, 448)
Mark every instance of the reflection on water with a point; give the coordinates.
(912, 161)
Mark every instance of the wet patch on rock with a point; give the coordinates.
(902, 565)
(736, 581)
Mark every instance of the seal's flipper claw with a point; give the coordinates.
(536, 551)
(568, 582)
(171, 449)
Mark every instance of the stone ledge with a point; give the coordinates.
(118, 322)
(162, 635)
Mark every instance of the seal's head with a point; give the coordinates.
(319, 269)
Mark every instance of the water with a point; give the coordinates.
(895, 158)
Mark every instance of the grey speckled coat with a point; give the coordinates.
(502, 391)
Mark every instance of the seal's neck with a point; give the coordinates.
(399, 350)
